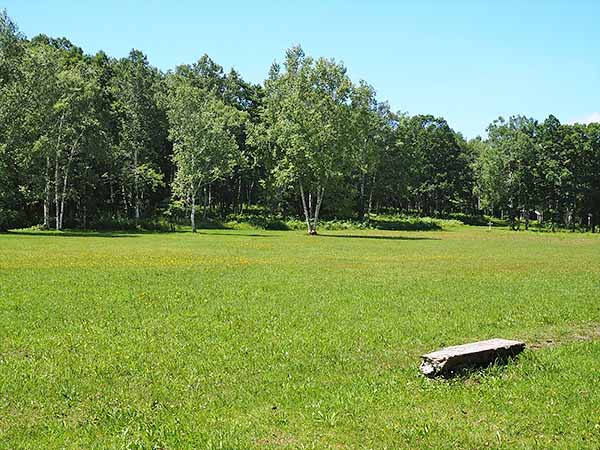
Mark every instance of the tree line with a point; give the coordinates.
(90, 141)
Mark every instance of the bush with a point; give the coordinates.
(407, 223)
(467, 219)
(111, 224)
(378, 222)
(9, 218)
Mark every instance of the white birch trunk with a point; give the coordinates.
(56, 190)
(306, 212)
(370, 205)
(239, 195)
(361, 206)
(66, 180)
(320, 194)
(125, 208)
(56, 173)
(62, 198)
(47, 195)
(193, 214)
(205, 202)
(136, 190)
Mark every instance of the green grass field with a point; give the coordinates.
(256, 339)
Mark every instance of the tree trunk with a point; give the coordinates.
(361, 199)
(512, 215)
(370, 204)
(112, 196)
(193, 214)
(65, 184)
(320, 194)
(306, 211)
(205, 203)
(56, 179)
(56, 202)
(66, 169)
(47, 196)
(249, 196)
(62, 197)
(555, 216)
(238, 199)
(135, 187)
(125, 207)
(46, 224)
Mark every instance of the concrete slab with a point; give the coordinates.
(449, 360)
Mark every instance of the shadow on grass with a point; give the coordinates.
(90, 234)
(477, 372)
(233, 234)
(405, 225)
(391, 238)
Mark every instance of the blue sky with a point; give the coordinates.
(468, 61)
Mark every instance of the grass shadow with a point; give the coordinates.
(405, 225)
(89, 234)
(208, 233)
(391, 238)
(474, 373)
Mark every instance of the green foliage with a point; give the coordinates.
(11, 47)
(141, 134)
(91, 139)
(547, 167)
(262, 220)
(438, 165)
(205, 149)
(304, 118)
(8, 219)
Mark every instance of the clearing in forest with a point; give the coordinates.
(257, 339)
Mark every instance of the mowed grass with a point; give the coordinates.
(255, 339)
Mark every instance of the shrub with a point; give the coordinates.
(10, 218)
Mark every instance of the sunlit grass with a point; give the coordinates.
(244, 339)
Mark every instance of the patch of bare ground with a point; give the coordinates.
(577, 334)
(276, 440)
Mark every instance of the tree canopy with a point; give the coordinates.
(95, 141)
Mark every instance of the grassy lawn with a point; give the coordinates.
(255, 339)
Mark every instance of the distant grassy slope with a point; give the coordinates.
(257, 339)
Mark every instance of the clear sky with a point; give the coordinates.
(468, 61)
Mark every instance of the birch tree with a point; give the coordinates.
(506, 167)
(140, 135)
(369, 128)
(11, 51)
(52, 114)
(304, 116)
(205, 149)
(76, 122)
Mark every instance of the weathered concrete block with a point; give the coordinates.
(449, 360)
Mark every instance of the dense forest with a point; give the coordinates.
(90, 141)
